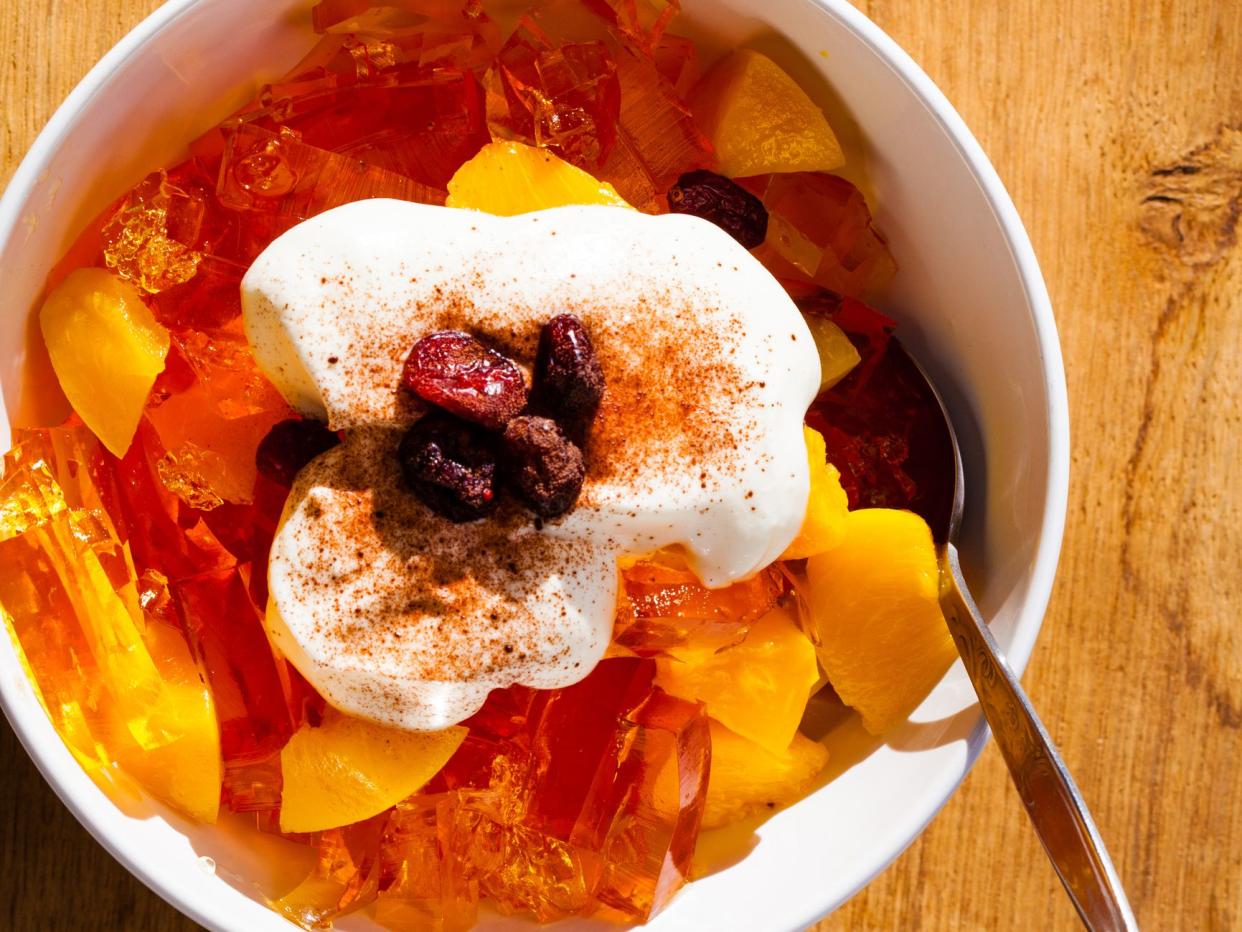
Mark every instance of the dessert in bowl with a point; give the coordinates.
(415, 754)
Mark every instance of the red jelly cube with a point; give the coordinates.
(421, 122)
(285, 181)
(227, 628)
(657, 139)
(820, 231)
(566, 97)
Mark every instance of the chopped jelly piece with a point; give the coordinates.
(665, 607)
(253, 785)
(421, 122)
(677, 60)
(641, 22)
(422, 880)
(149, 240)
(163, 532)
(343, 879)
(820, 232)
(566, 97)
(210, 300)
(286, 181)
(657, 139)
(590, 804)
(211, 429)
(121, 687)
(227, 629)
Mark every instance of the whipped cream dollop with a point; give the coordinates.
(398, 615)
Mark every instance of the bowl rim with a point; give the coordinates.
(75, 789)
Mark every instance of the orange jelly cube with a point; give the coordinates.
(665, 606)
(578, 801)
(121, 686)
(820, 233)
(422, 883)
(344, 877)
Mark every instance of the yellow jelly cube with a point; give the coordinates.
(875, 596)
(759, 120)
(349, 769)
(826, 506)
(510, 178)
(106, 348)
(757, 688)
(747, 778)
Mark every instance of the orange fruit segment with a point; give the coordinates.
(349, 769)
(106, 348)
(747, 778)
(759, 120)
(757, 688)
(882, 639)
(826, 506)
(508, 178)
(837, 355)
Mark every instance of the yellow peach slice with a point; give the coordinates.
(757, 688)
(508, 178)
(106, 348)
(882, 639)
(826, 506)
(747, 778)
(759, 120)
(349, 769)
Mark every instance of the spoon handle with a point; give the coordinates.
(1047, 790)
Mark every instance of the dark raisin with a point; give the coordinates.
(722, 201)
(451, 466)
(569, 382)
(542, 465)
(455, 371)
(289, 446)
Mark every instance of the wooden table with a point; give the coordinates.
(1118, 128)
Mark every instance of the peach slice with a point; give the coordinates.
(757, 688)
(882, 639)
(508, 178)
(349, 769)
(759, 120)
(837, 355)
(826, 506)
(106, 348)
(747, 778)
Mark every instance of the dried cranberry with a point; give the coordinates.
(722, 201)
(544, 467)
(289, 446)
(451, 466)
(455, 371)
(569, 382)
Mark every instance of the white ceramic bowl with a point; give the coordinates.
(970, 300)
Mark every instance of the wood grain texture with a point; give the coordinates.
(1117, 126)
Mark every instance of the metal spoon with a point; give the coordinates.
(1044, 784)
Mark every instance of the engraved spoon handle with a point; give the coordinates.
(1044, 784)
